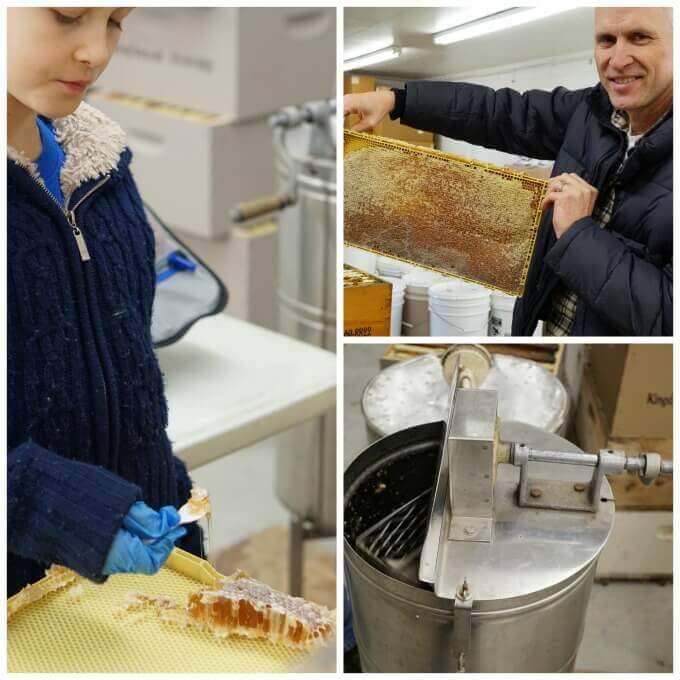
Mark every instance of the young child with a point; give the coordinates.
(92, 481)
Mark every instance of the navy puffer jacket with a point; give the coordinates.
(623, 275)
(86, 409)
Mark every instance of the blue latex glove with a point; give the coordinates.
(144, 522)
(145, 541)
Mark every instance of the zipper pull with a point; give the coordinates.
(78, 235)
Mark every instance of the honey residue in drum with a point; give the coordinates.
(439, 213)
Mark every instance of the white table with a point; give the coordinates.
(230, 384)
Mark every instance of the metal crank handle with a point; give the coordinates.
(311, 112)
(648, 466)
(260, 206)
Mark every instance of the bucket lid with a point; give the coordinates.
(502, 299)
(423, 279)
(389, 266)
(458, 290)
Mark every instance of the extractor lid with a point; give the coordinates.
(530, 549)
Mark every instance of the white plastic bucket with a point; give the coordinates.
(416, 314)
(386, 266)
(398, 287)
(459, 308)
(500, 321)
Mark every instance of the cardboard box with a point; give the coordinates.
(353, 84)
(634, 384)
(367, 303)
(393, 129)
(238, 62)
(191, 168)
(590, 432)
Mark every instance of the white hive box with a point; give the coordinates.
(238, 62)
(193, 169)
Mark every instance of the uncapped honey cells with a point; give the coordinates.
(456, 217)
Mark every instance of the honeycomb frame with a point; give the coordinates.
(511, 281)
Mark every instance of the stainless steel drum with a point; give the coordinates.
(304, 141)
(305, 465)
(307, 237)
(529, 593)
(304, 144)
(414, 392)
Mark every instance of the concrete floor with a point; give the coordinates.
(629, 625)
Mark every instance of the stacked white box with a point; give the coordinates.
(238, 62)
(191, 171)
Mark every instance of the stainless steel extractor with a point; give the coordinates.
(507, 551)
(305, 141)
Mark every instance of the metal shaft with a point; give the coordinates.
(563, 457)
(647, 465)
(638, 463)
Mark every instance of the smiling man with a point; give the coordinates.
(603, 261)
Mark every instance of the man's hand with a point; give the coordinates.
(371, 107)
(572, 198)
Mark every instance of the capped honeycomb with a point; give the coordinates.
(449, 214)
(354, 278)
(241, 605)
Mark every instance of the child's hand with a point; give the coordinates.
(144, 522)
(145, 542)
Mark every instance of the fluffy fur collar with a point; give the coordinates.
(92, 144)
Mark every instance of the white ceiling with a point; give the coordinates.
(369, 28)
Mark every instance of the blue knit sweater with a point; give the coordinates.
(87, 413)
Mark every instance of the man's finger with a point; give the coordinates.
(555, 196)
(562, 179)
(550, 199)
(363, 125)
(556, 183)
(579, 181)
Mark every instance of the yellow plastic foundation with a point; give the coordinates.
(92, 633)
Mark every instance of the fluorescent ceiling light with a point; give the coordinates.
(372, 46)
(496, 22)
(372, 58)
(466, 15)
